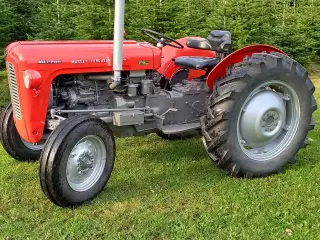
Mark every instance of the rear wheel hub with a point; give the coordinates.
(268, 120)
(263, 118)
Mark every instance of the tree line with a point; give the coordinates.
(292, 25)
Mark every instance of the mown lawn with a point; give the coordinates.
(168, 190)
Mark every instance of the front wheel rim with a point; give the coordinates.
(86, 163)
(268, 120)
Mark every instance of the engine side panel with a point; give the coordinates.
(189, 99)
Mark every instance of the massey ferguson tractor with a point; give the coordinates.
(70, 98)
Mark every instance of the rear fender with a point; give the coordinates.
(220, 70)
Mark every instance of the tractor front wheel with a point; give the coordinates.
(259, 115)
(14, 145)
(77, 161)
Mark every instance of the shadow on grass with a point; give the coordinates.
(175, 166)
(172, 166)
(151, 166)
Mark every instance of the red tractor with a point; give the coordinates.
(68, 99)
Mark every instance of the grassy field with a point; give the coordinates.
(168, 190)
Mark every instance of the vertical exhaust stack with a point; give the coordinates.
(118, 42)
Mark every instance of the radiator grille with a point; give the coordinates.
(13, 85)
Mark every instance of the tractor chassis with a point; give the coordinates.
(170, 112)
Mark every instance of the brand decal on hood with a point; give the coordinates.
(94, 60)
(143, 62)
(49, 61)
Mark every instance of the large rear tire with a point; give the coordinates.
(77, 161)
(11, 141)
(259, 115)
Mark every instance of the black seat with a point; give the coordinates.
(196, 62)
(202, 44)
(218, 40)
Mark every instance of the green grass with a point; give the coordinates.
(168, 190)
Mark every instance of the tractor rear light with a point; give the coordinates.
(32, 79)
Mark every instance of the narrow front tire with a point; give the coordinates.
(77, 161)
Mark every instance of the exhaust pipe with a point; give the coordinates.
(118, 42)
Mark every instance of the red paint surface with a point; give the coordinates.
(221, 69)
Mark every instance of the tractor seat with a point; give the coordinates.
(196, 62)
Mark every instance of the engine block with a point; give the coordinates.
(138, 107)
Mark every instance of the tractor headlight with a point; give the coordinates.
(32, 79)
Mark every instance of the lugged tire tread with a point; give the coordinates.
(240, 75)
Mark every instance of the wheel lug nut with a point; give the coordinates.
(243, 142)
(286, 97)
(265, 150)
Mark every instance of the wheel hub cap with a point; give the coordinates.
(263, 118)
(268, 120)
(86, 163)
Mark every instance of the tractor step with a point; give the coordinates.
(180, 128)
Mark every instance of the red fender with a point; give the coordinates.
(221, 69)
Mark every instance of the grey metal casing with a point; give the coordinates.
(127, 118)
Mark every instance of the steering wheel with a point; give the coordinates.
(161, 38)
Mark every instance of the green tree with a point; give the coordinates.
(94, 19)
(292, 25)
(55, 20)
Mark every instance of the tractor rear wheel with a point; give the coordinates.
(259, 115)
(77, 161)
(14, 145)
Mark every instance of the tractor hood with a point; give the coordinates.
(82, 56)
(33, 65)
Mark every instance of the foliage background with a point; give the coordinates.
(292, 25)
